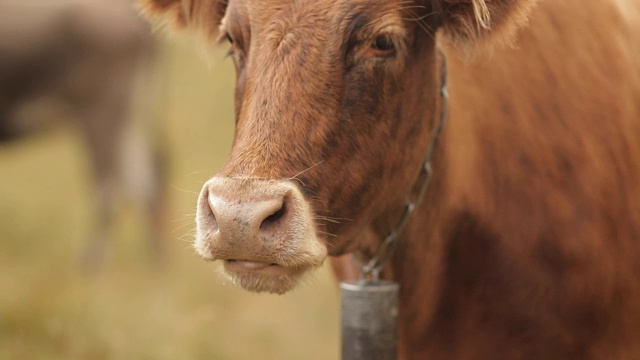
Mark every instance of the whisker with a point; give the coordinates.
(327, 233)
(295, 177)
(181, 227)
(397, 7)
(421, 23)
(184, 190)
(327, 219)
(186, 239)
(182, 219)
(332, 219)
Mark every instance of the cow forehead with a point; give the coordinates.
(316, 14)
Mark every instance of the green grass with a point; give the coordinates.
(49, 309)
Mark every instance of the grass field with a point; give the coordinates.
(49, 309)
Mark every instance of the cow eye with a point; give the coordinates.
(384, 45)
(229, 39)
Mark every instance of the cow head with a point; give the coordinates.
(336, 101)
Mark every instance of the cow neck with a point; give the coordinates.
(371, 269)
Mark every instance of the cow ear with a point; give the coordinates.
(470, 22)
(201, 16)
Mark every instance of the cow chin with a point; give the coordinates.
(273, 279)
(272, 284)
(261, 231)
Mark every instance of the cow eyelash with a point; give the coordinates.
(224, 37)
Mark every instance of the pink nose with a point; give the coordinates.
(235, 219)
(262, 221)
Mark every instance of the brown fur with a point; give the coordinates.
(527, 245)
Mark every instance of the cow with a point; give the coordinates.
(94, 58)
(526, 243)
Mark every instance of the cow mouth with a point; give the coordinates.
(258, 276)
(258, 267)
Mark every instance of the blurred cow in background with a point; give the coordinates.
(91, 56)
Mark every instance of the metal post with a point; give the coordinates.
(369, 320)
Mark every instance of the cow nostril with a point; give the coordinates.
(213, 221)
(211, 217)
(274, 217)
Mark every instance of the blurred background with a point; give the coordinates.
(97, 207)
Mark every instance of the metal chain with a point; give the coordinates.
(372, 268)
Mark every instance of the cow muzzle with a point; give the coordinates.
(262, 230)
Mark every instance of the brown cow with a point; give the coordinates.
(527, 242)
(90, 56)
